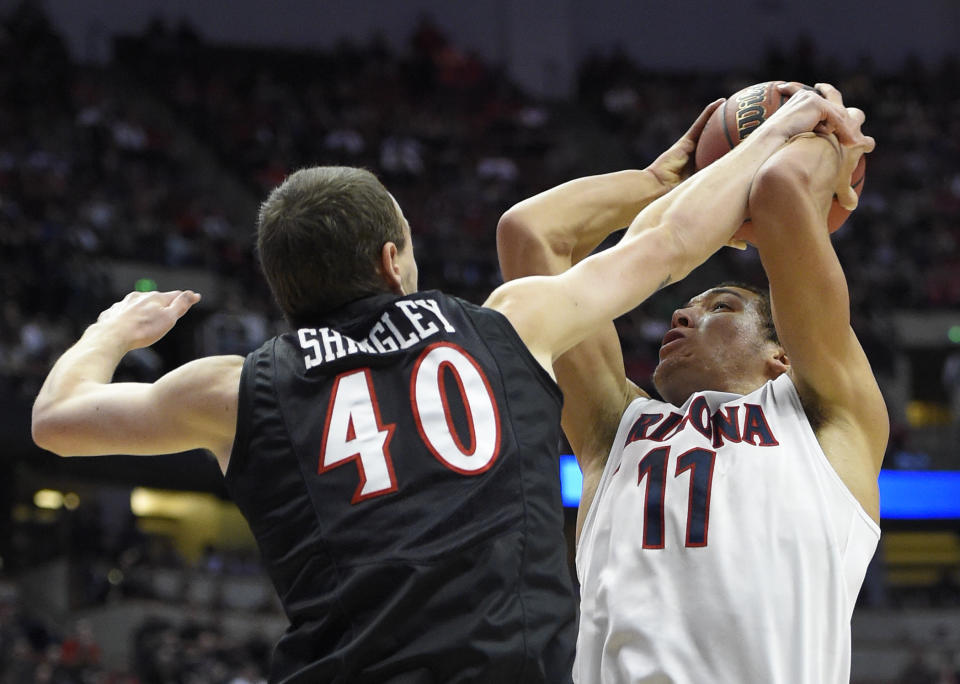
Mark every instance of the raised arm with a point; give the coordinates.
(811, 306)
(550, 232)
(79, 412)
(665, 241)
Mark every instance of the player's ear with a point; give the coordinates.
(777, 362)
(389, 267)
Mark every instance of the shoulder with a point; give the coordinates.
(852, 445)
(862, 414)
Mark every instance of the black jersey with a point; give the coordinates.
(398, 467)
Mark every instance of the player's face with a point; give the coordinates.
(716, 341)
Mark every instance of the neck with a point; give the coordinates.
(679, 395)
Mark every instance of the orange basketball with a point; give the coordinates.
(736, 119)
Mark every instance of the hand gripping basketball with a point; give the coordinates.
(749, 108)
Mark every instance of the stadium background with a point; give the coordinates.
(137, 138)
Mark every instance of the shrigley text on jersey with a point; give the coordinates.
(390, 333)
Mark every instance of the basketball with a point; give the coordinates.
(739, 116)
(736, 119)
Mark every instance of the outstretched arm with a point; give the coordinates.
(789, 203)
(547, 234)
(79, 412)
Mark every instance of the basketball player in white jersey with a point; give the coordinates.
(723, 532)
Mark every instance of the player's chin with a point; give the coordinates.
(668, 376)
(661, 376)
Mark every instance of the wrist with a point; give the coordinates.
(652, 185)
(107, 339)
(771, 138)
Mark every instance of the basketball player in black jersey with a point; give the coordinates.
(396, 453)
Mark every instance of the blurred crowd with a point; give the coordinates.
(161, 157)
(163, 652)
(73, 566)
(99, 166)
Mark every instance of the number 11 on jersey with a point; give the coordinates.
(653, 468)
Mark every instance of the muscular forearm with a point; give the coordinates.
(789, 203)
(93, 359)
(704, 212)
(551, 231)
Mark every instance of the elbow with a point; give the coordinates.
(783, 175)
(779, 185)
(45, 431)
(525, 248)
(41, 431)
(511, 230)
(516, 230)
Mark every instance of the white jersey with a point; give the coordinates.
(721, 547)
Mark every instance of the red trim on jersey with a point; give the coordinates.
(671, 425)
(467, 451)
(643, 423)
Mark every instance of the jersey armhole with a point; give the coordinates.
(821, 456)
(610, 464)
(503, 322)
(244, 406)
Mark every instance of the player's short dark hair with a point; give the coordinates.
(319, 237)
(764, 310)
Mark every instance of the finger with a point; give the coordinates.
(167, 296)
(183, 301)
(857, 115)
(847, 198)
(824, 128)
(790, 87)
(164, 299)
(693, 133)
(844, 127)
(829, 92)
